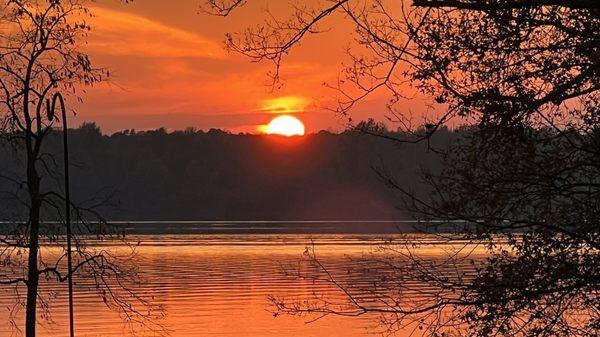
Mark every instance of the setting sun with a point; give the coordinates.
(286, 126)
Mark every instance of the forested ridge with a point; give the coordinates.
(215, 175)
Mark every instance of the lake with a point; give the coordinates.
(218, 282)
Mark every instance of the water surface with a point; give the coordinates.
(219, 285)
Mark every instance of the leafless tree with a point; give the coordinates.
(523, 78)
(40, 57)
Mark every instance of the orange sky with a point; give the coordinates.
(169, 69)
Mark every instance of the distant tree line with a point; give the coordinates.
(215, 175)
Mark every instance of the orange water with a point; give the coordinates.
(218, 285)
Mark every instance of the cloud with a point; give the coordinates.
(169, 73)
(120, 33)
(285, 104)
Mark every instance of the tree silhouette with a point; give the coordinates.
(524, 79)
(40, 58)
(191, 175)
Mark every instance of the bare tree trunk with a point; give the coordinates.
(34, 225)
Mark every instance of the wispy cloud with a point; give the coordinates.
(285, 104)
(170, 69)
(126, 34)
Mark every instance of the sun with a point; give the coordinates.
(285, 125)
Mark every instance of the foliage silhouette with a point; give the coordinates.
(525, 76)
(40, 58)
(214, 175)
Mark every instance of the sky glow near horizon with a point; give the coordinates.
(169, 69)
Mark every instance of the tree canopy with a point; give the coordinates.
(526, 76)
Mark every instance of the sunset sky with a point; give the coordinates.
(169, 69)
